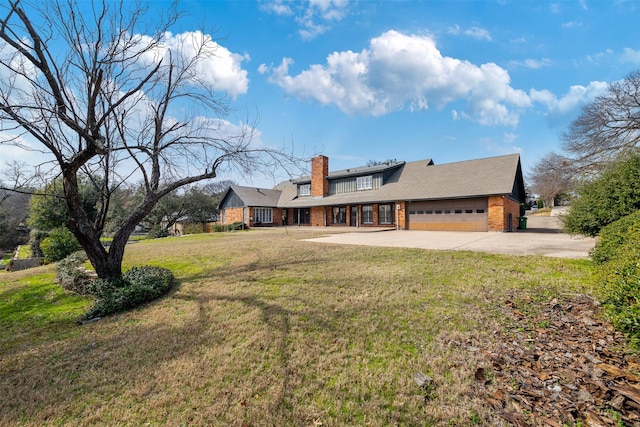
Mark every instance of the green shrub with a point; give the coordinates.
(59, 244)
(158, 232)
(619, 279)
(71, 275)
(136, 287)
(239, 225)
(614, 194)
(614, 236)
(195, 228)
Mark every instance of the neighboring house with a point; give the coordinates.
(472, 195)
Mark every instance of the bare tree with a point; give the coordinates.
(551, 176)
(111, 102)
(607, 126)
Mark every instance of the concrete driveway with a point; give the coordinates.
(542, 237)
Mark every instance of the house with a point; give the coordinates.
(473, 195)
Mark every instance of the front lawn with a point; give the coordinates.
(266, 329)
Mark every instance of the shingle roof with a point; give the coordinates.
(411, 181)
(357, 171)
(422, 180)
(252, 196)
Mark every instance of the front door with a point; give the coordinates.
(354, 216)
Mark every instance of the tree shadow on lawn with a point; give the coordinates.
(124, 357)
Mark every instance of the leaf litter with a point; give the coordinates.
(562, 365)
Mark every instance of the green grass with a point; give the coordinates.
(266, 329)
(24, 252)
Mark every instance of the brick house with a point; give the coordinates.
(473, 195)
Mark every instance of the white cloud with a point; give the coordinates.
(478, 33)
(314, 17)
(571, 24)
(475, 32)
(401, 71)
(531, 63)
(630, 55)
(561, 109)
(217, 66)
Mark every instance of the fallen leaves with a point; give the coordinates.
(562, 366)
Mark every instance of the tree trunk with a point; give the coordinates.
(108, 265)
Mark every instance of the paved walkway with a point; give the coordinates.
(542, 237)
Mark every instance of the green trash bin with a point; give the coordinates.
(522, 222)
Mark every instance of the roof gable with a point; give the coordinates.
(238, 196)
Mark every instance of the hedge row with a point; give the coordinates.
(618, 275)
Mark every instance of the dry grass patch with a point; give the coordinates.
(266, 329)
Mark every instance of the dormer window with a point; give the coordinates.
(304, 190)
(364, 183)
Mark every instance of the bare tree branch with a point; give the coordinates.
(111, 103)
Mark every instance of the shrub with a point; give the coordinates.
(619, 279)
(614, 236)
(239, 225)
(614, 194)
(59, 244)
(72, 276)
(157, 232)
(136, 287)
(195, 228)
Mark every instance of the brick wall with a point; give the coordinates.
(319, 173)
(232, 215)
(401, 215)
(317, 216)
(499, 209)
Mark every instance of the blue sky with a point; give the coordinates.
(447, 80)
(409, 80)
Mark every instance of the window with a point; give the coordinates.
(420, 212)
(304, 190)
(301, 216)
(364, 183)
(479, 210)
(412, 212)
(339, 215)
(468, 211)
(385, 214)
(458, 211)
(438, 212)
(447, 211)
(367, 214)
(429, 212)
(263, 216)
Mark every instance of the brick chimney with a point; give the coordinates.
(319, 173)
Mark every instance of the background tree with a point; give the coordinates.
(13, 215)
(112, 103)
(607, 127)
(552, 176)
(603, 200)
(47, 207)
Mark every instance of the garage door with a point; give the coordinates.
(449, 215)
